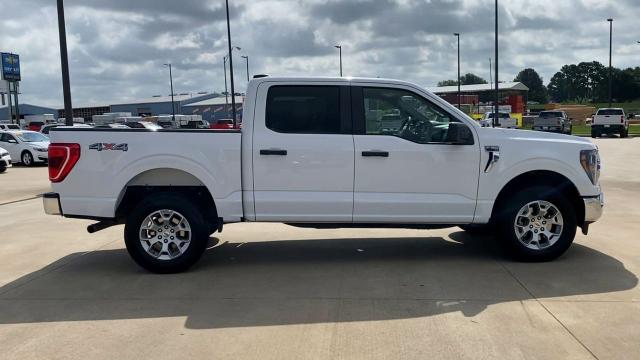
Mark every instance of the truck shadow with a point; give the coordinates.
(307, 281)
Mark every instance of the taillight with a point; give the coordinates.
(622, 119)
(62, 159)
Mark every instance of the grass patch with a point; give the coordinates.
(585, 130)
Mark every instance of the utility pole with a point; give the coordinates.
(610, 62)
(233, 88)
(226, 90)
(64, 61)
(173, 106)
(458, 36)
(247, 58)
(339, 47)
(497, 104)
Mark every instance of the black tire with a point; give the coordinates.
(624, 133)
(27, 158)
(3, 169)
(594, 134)
(180, 204)
(507, 218)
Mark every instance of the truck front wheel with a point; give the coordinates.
(166, 233)
(537, 224)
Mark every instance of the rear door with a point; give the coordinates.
(303, 152)
(10, 143)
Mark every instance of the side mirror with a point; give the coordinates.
(459, 134)
(12, 141)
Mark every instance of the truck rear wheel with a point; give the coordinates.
(166, 233)
(537, 224)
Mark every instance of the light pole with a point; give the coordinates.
(458, 36)
(610, 61)
(64, 61)
(246, 57)
(233, 88)
(339, 47)
(173, 106)
(226, 90)
(497, 104)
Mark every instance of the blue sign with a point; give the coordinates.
(10, 67)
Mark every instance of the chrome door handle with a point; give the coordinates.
(375, 153)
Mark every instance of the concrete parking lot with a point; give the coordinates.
(269, 291)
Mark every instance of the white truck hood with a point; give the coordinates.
(537, 136)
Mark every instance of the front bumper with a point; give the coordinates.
(5, 162)
(593, 208)
(51, 203)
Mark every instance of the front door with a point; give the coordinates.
(405, 170)
(303, 159)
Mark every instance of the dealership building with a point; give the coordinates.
(215, 108)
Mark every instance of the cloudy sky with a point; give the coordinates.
(117, 47)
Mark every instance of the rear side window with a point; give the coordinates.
(610, 112)
(304, 109)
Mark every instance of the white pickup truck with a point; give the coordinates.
(312, 153)
(610, 121)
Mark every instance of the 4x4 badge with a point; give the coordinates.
(106, 147)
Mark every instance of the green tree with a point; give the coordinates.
(448, 83)
(537, 90)
(467, 79)
(587, 81)
(472, 79)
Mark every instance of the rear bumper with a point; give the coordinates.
(613, 128)
(51, 204)
(593, 208)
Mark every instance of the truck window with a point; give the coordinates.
(611, 112)
(304, 109)
(404, 114)
(551, 115)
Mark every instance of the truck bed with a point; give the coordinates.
(142, 157)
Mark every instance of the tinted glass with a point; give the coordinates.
(404, 114)
(550, 114)
(610, 112)
(32, 137)
(304, 109)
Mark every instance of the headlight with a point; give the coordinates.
(3, 153)
(40, 149)
(590, 161)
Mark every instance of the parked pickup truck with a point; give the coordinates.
(309, 155)
(610, 121)
(553, 121)
(504, 121)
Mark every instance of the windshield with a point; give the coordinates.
(610, 112)
(551, 115)
(32, 137)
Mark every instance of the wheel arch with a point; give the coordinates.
(541, 178)
(166, 180)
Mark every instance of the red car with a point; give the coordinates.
(225, 124)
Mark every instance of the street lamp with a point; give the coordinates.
(233, 88)
(246, 57)
(497, 104)
(64, 60)
(610, 61)
(458, 36)
(339, 47)
(173, 107)
(226, 90)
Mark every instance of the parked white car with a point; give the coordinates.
(27, 147)
(5, 160)
(504, 120)
(312, 153)
(6, 127)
